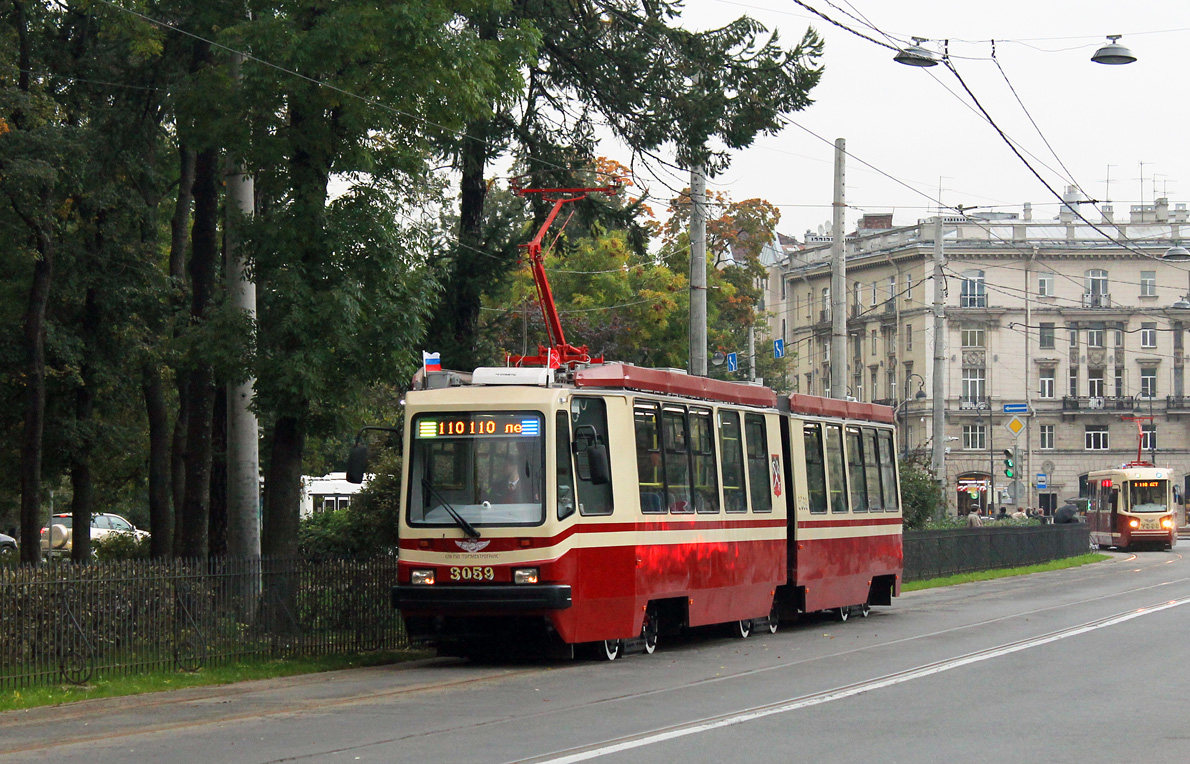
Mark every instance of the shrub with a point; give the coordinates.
(367, 528)
(121, 546)
(921, 496)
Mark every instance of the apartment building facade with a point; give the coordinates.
(1074, 330)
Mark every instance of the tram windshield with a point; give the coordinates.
(488, 467)
(1148, 495)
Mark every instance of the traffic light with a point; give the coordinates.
(1009, 463)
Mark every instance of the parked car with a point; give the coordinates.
(8, 550)
(60, 535)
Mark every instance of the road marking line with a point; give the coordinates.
(930, 669)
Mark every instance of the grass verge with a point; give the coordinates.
(136, 684)
(987, 575)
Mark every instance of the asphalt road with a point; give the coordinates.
(1083, 665)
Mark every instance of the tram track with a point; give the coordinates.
(272, 703)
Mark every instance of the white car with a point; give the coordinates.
(102, 524)
(8, 550)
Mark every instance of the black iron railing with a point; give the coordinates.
(70, 622)
(931, 554)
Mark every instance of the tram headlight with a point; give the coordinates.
(422, 577)
(1167, 522)
(1134, 523)
(524, 576)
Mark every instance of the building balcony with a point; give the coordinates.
(1093, 403)
(1091, 300)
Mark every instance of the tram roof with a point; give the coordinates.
(674, 382)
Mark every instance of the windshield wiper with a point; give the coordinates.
(467, 527)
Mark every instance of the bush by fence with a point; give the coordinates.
(69, 622)
(935, 553)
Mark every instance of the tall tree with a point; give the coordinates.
(654, 83)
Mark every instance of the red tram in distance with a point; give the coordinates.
(1132, 506)
(608, 504)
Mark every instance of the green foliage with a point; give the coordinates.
(921, 496)
(121, 546)
(367, 528)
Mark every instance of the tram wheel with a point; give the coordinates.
(773, 618)
(742, 629)
(865, 610)
(649, 630)
(608, 649)
(843, 613)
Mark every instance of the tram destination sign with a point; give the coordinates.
(477, 425)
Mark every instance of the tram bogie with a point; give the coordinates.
(1131, 507)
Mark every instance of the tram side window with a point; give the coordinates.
(589, 417)
(563, 468)
(676, 439)
(650, 475)
(702, 448)
(834, 468)
(757, 442)
(888, 471)
(876, 502)
(855, 471)
(731, 453)
(815, 467)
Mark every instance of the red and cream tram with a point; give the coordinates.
(604, 504)
(1132, 506)
(611, 503)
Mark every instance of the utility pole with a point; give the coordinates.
(243, 439)
(698, 270)
(938, 453)
(838, 304)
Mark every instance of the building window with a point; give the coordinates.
(1119, 335)
(908, 337)
(1095, 437)
(810, 304)
(1045, 336)
(974, 379)
(1073, 337)
(874, 378)
(974, 293)
(1047, 437)
(1047, 383)
(1148, 382)
(1148, 283)
(872, 335)
(1095, 383)
(1148, 437)
(974, 437)
(1096, 282)
(892, 384)
(875, 293)
(1096, 336)
(857, 294)
(892, 287)
(1045, 285)
(826, 303)
(908, 286)
(1119, 381)
(972, 338)
(1148, 335)
(1072, 390)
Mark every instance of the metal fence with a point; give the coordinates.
(931, 554)
(71, 622)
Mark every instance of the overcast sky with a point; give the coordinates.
(921, 132)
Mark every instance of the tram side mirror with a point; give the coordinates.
(357, 463)
(590, 456)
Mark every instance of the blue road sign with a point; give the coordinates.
(1042, 480)
(778, 348)
(1016, 408)
(732, 363)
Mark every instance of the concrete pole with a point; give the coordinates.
(698, 271)
(838, 305)
(243, 452)
(938, 453)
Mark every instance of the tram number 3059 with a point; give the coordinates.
(474, 573)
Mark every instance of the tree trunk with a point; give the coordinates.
(204, 258)
(82, 503)
(217, 541)
(34, 422)
(284, 481)
(160, 515)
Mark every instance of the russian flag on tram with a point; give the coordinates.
(431, 361)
